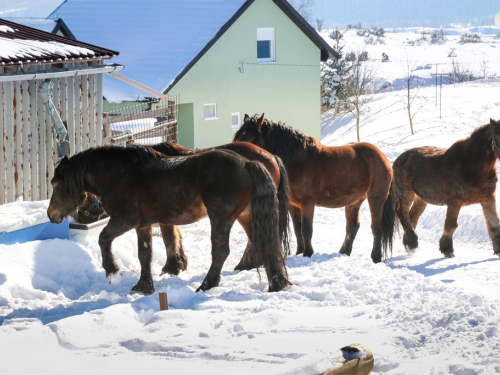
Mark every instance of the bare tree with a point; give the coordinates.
(409, 98)
(360, 87)
(319, 24)
(304, 8)
(484, 68)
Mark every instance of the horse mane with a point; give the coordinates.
(76, 167)
(171, 149)
(479, 142)
(284, 141)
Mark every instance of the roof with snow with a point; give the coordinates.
(160, 41)
(22, 44)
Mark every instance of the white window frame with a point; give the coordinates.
(214, 117)
(236, 127)
(267, 33)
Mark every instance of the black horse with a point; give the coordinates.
(461, 175)
(139, 186)
(176, 258)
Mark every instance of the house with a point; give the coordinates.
(49, 85)
(221, 58)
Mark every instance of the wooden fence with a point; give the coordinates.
(26, 136)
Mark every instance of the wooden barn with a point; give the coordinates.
(49, 85)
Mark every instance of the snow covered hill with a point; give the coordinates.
(395, 13)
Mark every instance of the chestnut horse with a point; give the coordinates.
(172, 238)
(329, 177)
(461, 175)
(139, 186)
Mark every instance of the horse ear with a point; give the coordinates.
(493, 122)
(260, 121)
(246, 118)
(62, 164)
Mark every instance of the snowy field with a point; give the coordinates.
(419, 314)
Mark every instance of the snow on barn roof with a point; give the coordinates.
(156, 39)
(22, 44)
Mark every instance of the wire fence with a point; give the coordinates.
(399, 75)
(147, 122)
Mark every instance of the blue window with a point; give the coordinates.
(263, 49)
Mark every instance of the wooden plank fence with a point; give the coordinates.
(26, 136)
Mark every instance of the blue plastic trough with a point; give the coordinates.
(43, 231)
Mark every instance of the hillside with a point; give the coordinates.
(394, 13)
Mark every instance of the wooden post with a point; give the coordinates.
(163, 301)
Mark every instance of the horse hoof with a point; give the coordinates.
(410, 242)
(170, 271)
(278, 283)
(146, 288)
(308, 254)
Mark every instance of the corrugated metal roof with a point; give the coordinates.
(22, 44)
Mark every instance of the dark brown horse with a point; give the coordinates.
(139, 186)
(90, 210)
(329, 177)
(176, 258)
(461, 175)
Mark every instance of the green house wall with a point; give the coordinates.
(287, 90)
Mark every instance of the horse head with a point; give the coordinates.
(63, 201)
(495, 137)
(252, 131)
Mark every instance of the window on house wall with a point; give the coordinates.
(210, 111)
(265, 45)
(235, 120)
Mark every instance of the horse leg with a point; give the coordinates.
(220, 252)
(376, 202)
(410, 238)
(416, 210)
(307, 227)
(352, 226)
(450, 225)
(176, 259)
(247, 261)
(144, 244)
(114, 229)
(492, 222)
(296, 214)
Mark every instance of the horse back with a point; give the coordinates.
(442, 176)
(341, 175)
(255, 153)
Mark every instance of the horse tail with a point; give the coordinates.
(265, 231)
(283, 206)
(388, 222)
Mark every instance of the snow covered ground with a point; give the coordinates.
(419, 314)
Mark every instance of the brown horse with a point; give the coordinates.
(329, 177)
(172, 238)
(90, 210)
(139, 186)
(461, 175)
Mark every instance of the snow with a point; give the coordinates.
(22, 48)
(418, 313)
